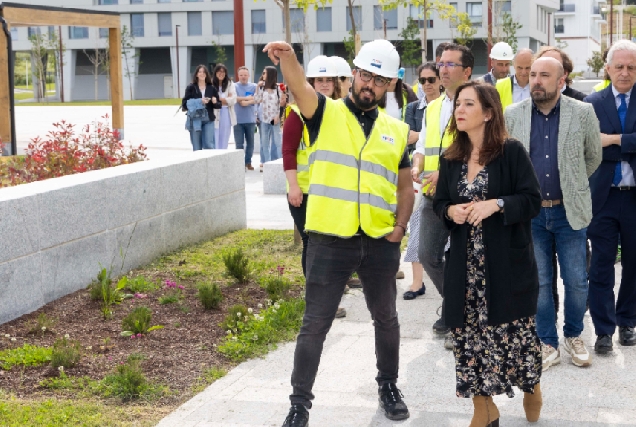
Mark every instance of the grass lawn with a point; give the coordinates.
(162, 101)
(119, 380)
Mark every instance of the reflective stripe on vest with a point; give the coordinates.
(302, 155)
(353, 180)
(434, 145)
(602, 85)
(504, 87)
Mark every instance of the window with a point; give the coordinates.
(195, 26)
(164, 1)
(357, 17)
(14, 33)
(474, 13)
(297, 19)
(380, 16)
(77, 32)
(558, 26)
(137, 24)
(106, 2)
(136, 1)
(323, 19)
(33, 31)
(223, 22)
(258, 22)
(191, 1)
(165, 24)
(453, 22)
(417, 14)
(505, 6)
(103, 33)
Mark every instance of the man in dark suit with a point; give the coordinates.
(614, 202)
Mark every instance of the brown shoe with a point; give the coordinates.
(354, 282)
(341, 312)
(485, 412)
(249, 167)
(532, 404)
(399, 275)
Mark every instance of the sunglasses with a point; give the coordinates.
(430, 80)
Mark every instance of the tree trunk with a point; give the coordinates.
(353, 21)
(287, 22)
(96, 64)
(424, 37)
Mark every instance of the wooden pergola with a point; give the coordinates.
(22, 15)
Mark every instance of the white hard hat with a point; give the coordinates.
(379, 57)
(322, 66)
(344, 70)
(501, 52)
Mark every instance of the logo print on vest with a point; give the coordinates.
(388, 139)
(376, 63)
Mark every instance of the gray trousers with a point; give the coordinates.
(433, 238)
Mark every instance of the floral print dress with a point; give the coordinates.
(489, 360)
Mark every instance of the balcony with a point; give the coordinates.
(558, 29)
(567, 8)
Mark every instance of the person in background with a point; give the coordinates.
(606, 77)
(270, 96)
(417, 87)
(245, 115)
(487, 195)
(568, 67)
(397, 97)
(516, 88)
(344, 75)
(429, 80)
(501, 55)
(613, 188)
(202, 87)
(226, 118)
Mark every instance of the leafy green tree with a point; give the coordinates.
(410, 45)
(127, 44)
(596, 62)
(465, 28)
(350, 47)
(509, 28)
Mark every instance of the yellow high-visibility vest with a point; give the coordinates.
(602, 85)
(302, 155)
(504, 87)
(434, 145)
(354, 179)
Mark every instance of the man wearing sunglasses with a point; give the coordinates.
(360, 200)
(455, 68)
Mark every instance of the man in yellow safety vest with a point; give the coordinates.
(360, 200)
(455, 68)
(516, 88)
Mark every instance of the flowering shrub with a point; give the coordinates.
(62, 152)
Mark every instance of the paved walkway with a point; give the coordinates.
(256, 392)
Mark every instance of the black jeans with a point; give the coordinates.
(299, 214)
(330, 262)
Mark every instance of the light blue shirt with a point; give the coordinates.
(245, 114)
(628, 174)
(519, 93)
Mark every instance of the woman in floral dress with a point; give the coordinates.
(487, 194)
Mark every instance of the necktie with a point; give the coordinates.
(622, 114)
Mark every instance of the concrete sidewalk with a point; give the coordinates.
(256, 392)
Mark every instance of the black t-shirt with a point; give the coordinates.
(365, 118)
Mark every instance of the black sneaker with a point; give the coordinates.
(440, 328)
(298, 417)
(391, 401)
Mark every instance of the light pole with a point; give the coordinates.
(178, 85)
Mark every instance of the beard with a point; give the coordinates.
(363, 104)
(543, 96)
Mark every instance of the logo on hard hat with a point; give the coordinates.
(376, 63)
(322, 70)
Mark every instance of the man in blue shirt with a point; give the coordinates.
(245, 115)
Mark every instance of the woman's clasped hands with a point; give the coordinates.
(473, 212)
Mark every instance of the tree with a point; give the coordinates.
(410, 46)
(350, 47)
(561, 44)
(99, 59)
(221, 56)
(509, 27)
(465, 28)
(127, 44)
(444, 10)
(302, 4)
(353, 26)
(39, 58)
(596, 62)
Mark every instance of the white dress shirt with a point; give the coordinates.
(519, 93)
(444, 118)
(392, 107)
(626, 170)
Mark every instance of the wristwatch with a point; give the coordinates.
(500, 203)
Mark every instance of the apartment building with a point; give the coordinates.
(185, 32)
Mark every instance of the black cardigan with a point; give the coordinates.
(193, 91)
(512, 283)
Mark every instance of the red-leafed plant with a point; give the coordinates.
(65, 153)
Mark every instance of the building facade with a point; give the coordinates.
(192, 32)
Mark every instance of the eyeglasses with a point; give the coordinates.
(450, 65)
(378, 80)
(424, 80)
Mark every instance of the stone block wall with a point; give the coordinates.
(54, 234)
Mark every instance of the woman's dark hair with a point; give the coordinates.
(336, 86)
(568, 67)
(428, 66)
(494, 134)
(400, 89)
(208, 78)
(272, 77)
(215, 79)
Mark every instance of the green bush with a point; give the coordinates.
(27, 355)
(128, 381)
(102, 290)
(236, 318)
(66, 353)
(277, 287)
(141, 285)
(138, 322)
(210, 295)
(42, 324)
(237, 265)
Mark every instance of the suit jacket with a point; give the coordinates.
(604, 105)
(573, 93)
(579, 152)
(512, 283)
